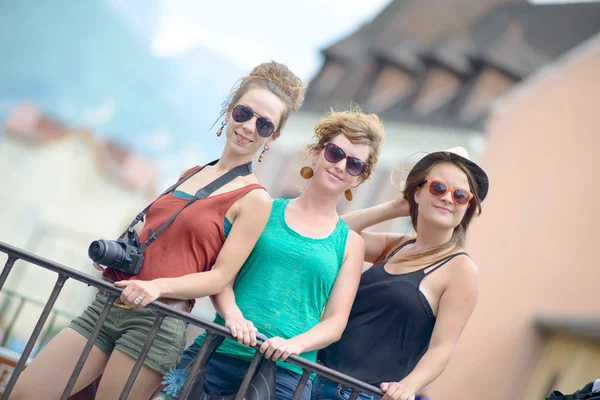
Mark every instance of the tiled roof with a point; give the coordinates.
(502, 42)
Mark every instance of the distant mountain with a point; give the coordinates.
(86, 64)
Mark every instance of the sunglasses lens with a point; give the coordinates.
(355, 166)
(334, 154)
(242, 113)
(461, 196)
(264, 127)
(437, 188)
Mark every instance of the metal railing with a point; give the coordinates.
(163, 311)
(22, 301)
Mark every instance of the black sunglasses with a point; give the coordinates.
(334, 154)
(264, 127)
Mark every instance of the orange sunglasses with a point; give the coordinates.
(439, 189)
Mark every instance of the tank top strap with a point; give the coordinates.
(392, 249)
(226, 200)
(442, 262)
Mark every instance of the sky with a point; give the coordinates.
(248, 33)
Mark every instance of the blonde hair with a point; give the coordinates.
(279, 80)
(459, 235)
(357, 126)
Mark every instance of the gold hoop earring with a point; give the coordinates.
(220, 131)
(307, 172)
(266, 148)
(348, 195)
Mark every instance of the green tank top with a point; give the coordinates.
(285, 283)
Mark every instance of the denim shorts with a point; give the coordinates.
(126, 330)
(225, 374)
(324, 389)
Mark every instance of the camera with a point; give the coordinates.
(123, 254)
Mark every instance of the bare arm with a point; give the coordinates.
(240, 328)
(245, 231)
(336, 313)
(376, 243)
(255, 209)
(456, 306)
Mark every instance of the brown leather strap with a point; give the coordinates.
(390, 249)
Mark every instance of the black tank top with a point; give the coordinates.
(389, 328)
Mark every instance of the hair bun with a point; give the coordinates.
(280, 76)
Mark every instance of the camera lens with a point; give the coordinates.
(97, 250)
(107, 252)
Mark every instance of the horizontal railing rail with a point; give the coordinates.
(22, 301)
(163, 311)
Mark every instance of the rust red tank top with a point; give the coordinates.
(191, 243)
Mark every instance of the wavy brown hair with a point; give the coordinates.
(357, 126)
(459, 235)
(279, 80)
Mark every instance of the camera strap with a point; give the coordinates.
(202, 193)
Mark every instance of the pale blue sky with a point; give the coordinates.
(248, 33)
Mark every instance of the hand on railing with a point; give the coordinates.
(242, 329)
(277, 348)
(138, 293)
(396, 391)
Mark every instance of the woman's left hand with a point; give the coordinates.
(396, 391)
(138, 293)
(277, 348)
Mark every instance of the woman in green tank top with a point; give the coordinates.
(298, 284)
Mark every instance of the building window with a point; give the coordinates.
(391, 85)
(489, 85)
(440, 87)
(331, 75)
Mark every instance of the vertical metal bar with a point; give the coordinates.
(33, 338)
(141, 357)
(301, 385)
(88, 346)
(6, 270)
(354, 394)
(187, 386)
(47, 335)
(12, 322)
(241, 393)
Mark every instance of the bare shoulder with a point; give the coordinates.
(258, 197)
(464, 271)
(256, 202)
(187, 171)
(355, 244)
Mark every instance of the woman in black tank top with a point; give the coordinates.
(404, 324)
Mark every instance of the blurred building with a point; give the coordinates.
(61, 189)
(431, 73)
(518, 86)
(537, 323)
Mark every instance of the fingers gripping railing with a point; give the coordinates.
(163, 310)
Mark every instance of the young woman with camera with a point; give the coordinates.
(298, 283)
(413, 303)
(190, 258)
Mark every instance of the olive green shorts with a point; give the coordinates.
(126, 330)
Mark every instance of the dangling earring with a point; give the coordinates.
(220, 131)
(348, 195)
(307, 172)
(266, 148)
